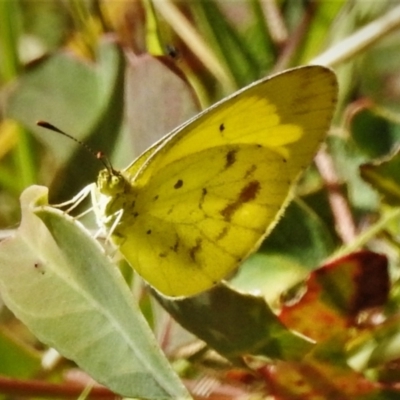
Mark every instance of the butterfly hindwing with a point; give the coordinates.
(204, 221)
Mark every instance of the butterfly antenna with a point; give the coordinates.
(99, 154)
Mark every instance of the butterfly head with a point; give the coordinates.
(111, 182)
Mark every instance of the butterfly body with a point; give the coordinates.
(190, 209)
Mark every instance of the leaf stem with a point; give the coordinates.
(359, 41)
(368, 234)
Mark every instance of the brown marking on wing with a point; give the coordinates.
(230, 158)
(249, 173)
(175, 247)
(178, 184)
(248, 193)
(195, 249)
(204, 193)
(223, 233)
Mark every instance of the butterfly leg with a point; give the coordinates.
(76, 200)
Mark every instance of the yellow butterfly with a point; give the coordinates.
(191, 208)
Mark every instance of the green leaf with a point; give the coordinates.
(315, 35)
(300, 235)
(17, 360)
(229, 42)
(158, 99)
(83, 99)
(375, 135)
(384, 176)
(347, 159)
(269, 275)
(57, 280)
(236, 324)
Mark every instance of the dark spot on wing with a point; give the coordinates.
(148, 232)
(155, 198)
(221, 127)
(203, 196)
(135, 214)
(230, 158)
(178, 184)
(195, 249)
(249, 173)
(162, 255)
(223, 233)
(175, 247)
(248, 193)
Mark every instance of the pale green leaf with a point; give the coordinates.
(57, 280)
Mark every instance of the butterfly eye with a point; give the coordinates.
(116, 183)
(110, 183)
(116, 180)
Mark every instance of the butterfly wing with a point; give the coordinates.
(208, 194)
(290, 110)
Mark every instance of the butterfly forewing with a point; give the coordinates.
(289, 112)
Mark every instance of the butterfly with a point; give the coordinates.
(191, 208)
